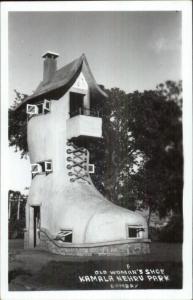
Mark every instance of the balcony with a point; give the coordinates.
(84, 123)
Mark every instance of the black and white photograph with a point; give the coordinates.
(95, 187)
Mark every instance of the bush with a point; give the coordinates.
(16, 229)
(173, 231)
(154, 234)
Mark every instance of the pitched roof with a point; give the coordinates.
(63, 79)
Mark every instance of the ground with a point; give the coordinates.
(40, 270)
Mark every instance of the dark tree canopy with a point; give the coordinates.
(157, 129)
(142, 157)
(17, 129)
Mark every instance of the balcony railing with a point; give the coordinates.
(85, 112)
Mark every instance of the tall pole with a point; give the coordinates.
(18, 207)
(9, 207)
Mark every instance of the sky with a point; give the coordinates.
(128, 50)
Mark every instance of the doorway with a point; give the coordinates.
(76, 104)
(36, 225)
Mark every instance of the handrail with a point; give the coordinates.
(85, 112)
(50, 239)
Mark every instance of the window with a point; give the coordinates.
(132, 232)
(64, 236)
(42, 167)
(135, 231)
(35, 168)
(39, 108)
(32, 109)
(91, 168)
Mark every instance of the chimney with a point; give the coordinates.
(50, 65)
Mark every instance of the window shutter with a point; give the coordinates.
(46, 106)
(48, 166)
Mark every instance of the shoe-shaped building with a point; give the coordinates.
(65, 213)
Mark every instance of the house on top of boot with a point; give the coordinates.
(65, 213)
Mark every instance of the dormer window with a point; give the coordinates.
(76, 104)
(39, 108)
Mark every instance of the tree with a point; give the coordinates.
(17, 129)
(141, 155)
(172, 91)
(157, 130)
(17, 203)
(114, 156)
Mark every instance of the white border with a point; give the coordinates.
(185, 7)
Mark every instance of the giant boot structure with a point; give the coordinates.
(65, 213)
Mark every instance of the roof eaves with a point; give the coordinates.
(65, 82)
(94, 83)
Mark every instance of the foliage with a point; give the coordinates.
(157, 130)
(17, 130)
(173, 232)
(16, 226)
(140, 159)
(115, 157)
(170, 233)
(172, 91)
